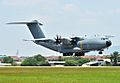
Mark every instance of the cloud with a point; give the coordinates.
(69, 8)
(72, 8)
(88, 21)
(26, 2)
(88, 13)
(114, 11)
(18, 2)
(42, 18)
(99, 13)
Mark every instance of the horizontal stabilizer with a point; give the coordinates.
(41, 39)
(31, 39)
(33, 22)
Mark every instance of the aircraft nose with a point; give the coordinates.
(108, 43)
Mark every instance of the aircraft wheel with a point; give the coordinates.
(71, 54)
(100, 52)
(79, 54)
(64, 54)
(76, 54)
(67, 54)
(82, 53)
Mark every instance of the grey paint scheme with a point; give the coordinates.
(87, 45)
(35, 30)
(84, 45)
(93, 44)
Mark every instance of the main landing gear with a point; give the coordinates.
(79, 54)
(67, 54)
(76, 54)
(100, 52)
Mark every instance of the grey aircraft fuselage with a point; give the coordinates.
(82, 46)
(77, 45)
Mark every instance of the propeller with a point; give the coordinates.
(58, 39)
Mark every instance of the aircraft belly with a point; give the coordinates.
(50, 46)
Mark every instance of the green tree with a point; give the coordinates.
(41, 61)
(37, 60)
(114, 57)
(75, 61)
(82, 61)
(7, 60)
(30, 61)
(71, 63)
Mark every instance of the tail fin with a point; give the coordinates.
(34, 28)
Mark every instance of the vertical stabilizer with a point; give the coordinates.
(34, 28)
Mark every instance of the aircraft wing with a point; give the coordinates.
(72, 40)
(66, 41)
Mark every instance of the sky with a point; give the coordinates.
(62, 17)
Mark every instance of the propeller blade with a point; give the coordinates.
(57, 39)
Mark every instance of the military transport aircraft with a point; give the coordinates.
(76, 46)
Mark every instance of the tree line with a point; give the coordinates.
(39, 60)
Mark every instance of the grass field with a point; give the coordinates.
(59, 75)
